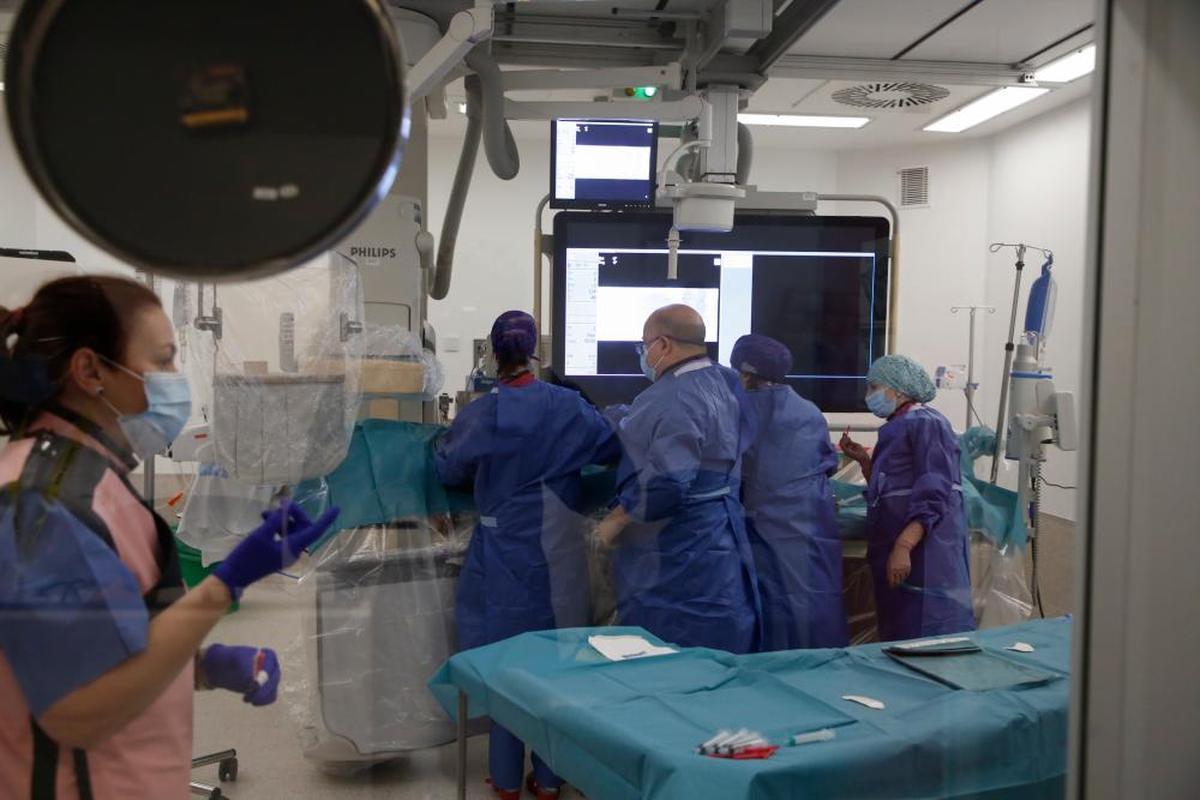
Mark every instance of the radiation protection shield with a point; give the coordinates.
(208, 139)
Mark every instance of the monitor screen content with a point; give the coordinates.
(602, 163)
(818, 284)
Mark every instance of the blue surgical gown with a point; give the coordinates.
(683, 568)
(791, 518)
(915, 475)
(523, 448)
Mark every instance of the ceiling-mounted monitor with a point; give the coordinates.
(818, 284)
(603, 163)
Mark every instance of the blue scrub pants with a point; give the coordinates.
(506, 762)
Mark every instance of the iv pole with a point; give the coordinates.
(972, 384)
(1009, 347)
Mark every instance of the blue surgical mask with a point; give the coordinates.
(880, 405)
(649, 371)
(168, 406)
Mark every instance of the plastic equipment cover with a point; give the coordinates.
(379, 594)
(388, 476)
(281, 407)
(1000, 590)
(218, 511)
(396, 362)
(378, 621)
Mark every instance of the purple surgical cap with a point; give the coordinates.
(514, 337)
(762, 356)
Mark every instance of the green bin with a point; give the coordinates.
(193, 568)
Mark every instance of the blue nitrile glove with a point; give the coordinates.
(265, 550)
(242, 670)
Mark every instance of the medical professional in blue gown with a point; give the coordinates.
(916, 528)
(523, 446)
(682, 563)
(791, 516)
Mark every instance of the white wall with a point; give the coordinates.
(1039, 191)
(941, 255)
(799, 170)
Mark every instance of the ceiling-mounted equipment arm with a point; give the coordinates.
(795, 20)
(466, 30)
(458, 193)
(499, 145)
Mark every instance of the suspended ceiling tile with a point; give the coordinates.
(781, 95)
(933, 100)
(1005, 31)
(874, 28)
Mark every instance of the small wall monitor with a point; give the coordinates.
(603, 163)
(818, 284)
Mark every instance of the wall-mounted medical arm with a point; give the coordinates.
(466, 30)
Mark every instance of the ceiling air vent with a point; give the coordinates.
(914, 187)
(890, 95)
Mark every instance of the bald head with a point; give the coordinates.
(679, 322)
(671, 335)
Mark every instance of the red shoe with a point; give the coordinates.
(537, 791)
(504, 794)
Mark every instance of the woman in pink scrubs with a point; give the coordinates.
(100, 646)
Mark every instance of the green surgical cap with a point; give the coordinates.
(905, 376)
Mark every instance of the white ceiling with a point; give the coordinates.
(1006, 31)
(874, 28)
(901, 128)
(999, 32)
(994, 31)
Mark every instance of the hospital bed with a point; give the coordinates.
(629, 729)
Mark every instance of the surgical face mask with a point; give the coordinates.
(168, 406)
(649, 370)
(880, 405)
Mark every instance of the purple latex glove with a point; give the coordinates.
(267, 549)
(252, 672)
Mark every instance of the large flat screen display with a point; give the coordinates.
(818, 284)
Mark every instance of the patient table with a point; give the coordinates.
(628, 729)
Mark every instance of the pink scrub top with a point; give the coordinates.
(151, 756)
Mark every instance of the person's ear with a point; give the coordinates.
(84, 371)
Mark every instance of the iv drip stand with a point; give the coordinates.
(972, 384)
(1009, 347)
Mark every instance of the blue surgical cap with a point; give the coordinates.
(905, 376)
(514, 337)
(762, 356)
